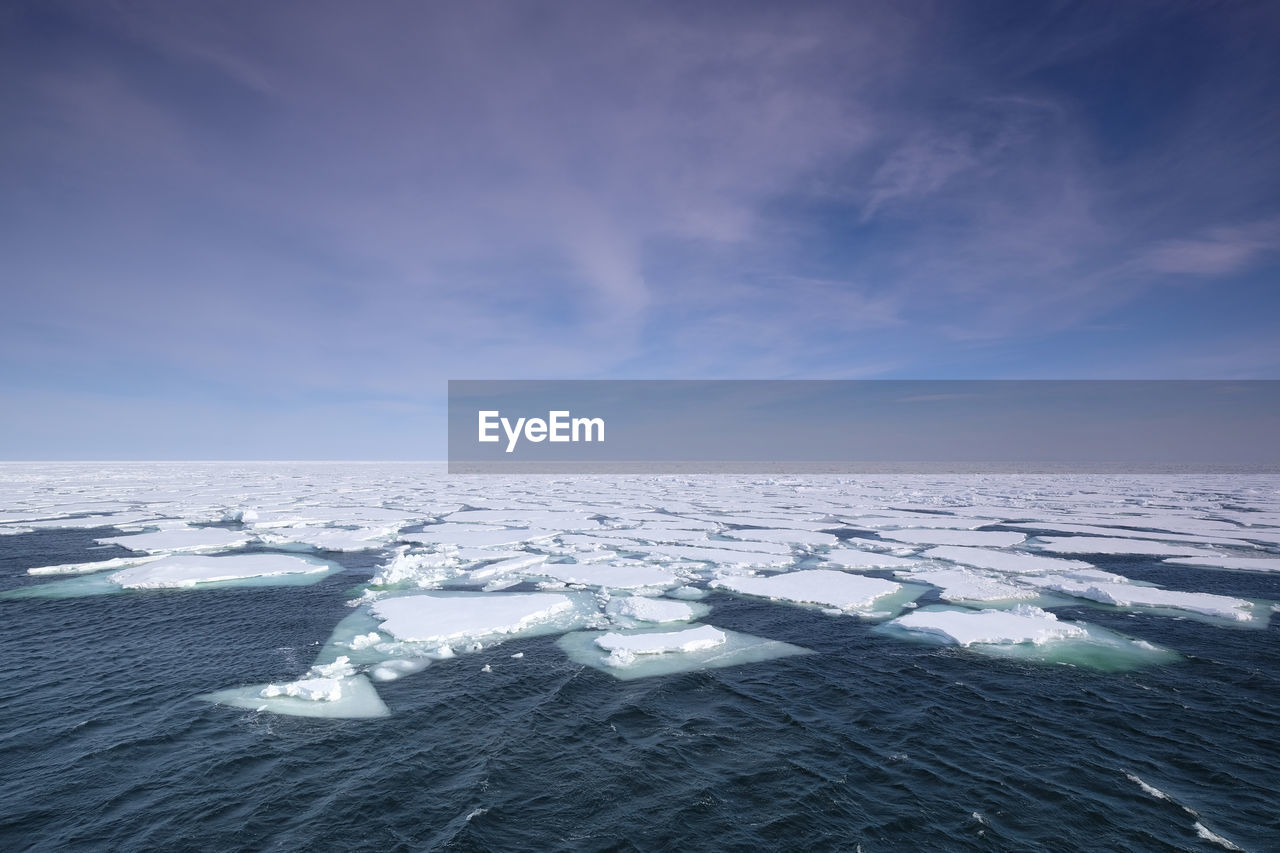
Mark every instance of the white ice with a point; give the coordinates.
(854, 559)
(1111, 545)
(1022, 624)
(620, 575)
(192, 570)
(1015, 562)
(1243, 564)
(1136, 595)
(813, 586)
(623, 648)
(181, 539)
(988, 538)
(450, 617)
(961, 584)
(644, 609)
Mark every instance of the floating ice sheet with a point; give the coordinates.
(823, 587)
(735, 650)
(192, 570)
(1241, 564)
(99, 566)
(1004, 561)
(181, 539)
(1139, 595)
(633, 575)
(854, 559)
(477, 538)
(188, 571)
(623, 649)
(1037, 638)
(635, 609)
(961, 584)
(1112, 545)
(1022, 624)
(461, 617)
(987, 538)
(351, 698)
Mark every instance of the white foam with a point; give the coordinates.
(1209, 835)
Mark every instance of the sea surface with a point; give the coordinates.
(868, 743)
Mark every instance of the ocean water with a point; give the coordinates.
(868, 743)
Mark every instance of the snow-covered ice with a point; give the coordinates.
(623, 648)
(1023, 624)
(450, 617)
(850, 558)
(1016, 562)
(181, 539)
(1222, 561)
(192, 570)
(644, 609)
(935, 536)
(813, 586)
(961, 584)
(1112, 545)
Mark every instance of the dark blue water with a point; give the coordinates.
(867, 743)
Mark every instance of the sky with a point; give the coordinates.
(274, 230)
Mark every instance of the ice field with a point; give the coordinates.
(445, 582)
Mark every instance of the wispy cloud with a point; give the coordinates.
(369, 199)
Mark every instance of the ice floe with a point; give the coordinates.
(960, 584)
(1028, 633)
(623, 648)
(987, 538)
(181, 539)
(327, 690)
(643, 609)
(824, 587)
(1220, 561)
(667, 655)
(1111, 545)
(854, 559)
(1139, 595)
(191, 570)
(1016, 562)
(452, 617)
(1023, 624)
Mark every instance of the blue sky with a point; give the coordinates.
(274, 230)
